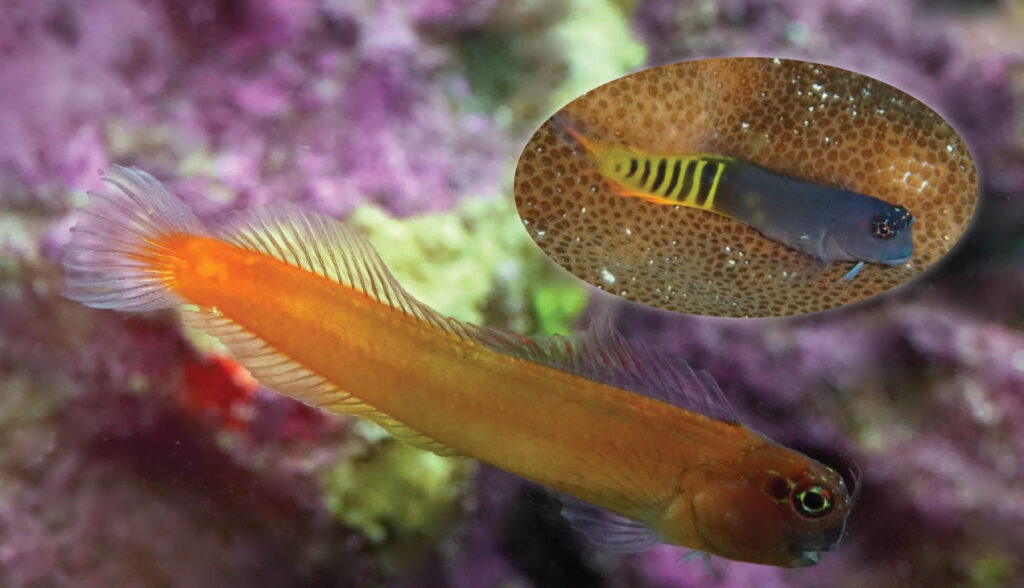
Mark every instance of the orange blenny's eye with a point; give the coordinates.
(811, 500)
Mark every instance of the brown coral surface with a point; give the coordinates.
(813, 122)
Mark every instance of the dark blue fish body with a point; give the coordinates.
(830, 224)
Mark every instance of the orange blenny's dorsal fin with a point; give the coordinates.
(602, 354)
(325, 247)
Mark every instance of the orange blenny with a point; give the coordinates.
(643, 449)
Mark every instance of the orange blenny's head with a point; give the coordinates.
(771, 505)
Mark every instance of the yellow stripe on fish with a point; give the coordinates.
(687, 181)
(690, 180)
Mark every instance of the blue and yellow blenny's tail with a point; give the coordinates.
(568, 130)
(674, 180)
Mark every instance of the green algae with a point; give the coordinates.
(992, 571)
(393, 492)
(529, 58)
(476, 264)
(599, 46)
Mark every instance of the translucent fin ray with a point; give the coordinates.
(276, 370)
(850, 275)
(607, 529)
(600, 353)
(114, 259)
(327, 248)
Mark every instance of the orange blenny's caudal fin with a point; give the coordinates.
(115, 258)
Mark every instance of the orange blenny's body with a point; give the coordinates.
(312, 311)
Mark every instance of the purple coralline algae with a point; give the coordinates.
(329, 104)
(131, 492)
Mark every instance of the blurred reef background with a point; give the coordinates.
(133, 453)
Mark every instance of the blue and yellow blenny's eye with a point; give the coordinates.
(811, 500)
(886, 226)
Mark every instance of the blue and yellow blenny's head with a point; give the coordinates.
(875, 231)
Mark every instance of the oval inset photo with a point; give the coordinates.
(746, 187)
